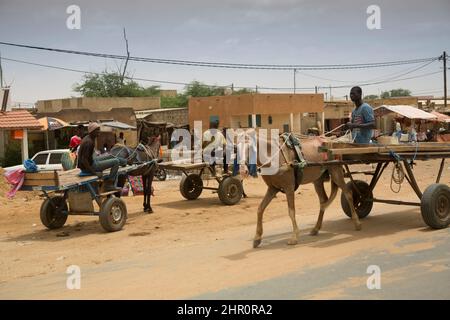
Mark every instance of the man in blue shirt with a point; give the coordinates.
(362, 120)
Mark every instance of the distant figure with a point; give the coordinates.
(413, 134)
(75, 140)
(362, 119)
(213, 142)
(121, 140)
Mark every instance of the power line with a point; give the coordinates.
(224, 86)
(231, 65)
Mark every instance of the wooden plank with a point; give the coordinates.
(41, 175)
(47, 182)
(387, 149)
(182, 166)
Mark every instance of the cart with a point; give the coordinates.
(230, 189)
(67, 193)
(434, 201)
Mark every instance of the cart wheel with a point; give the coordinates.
(230, 190)
(435, 206)
(191, 186)
(362, 205)
(161, 174)
(54, 212)
(113, 214)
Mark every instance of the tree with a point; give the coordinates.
(110, 84)
(396, 93)
(198, 89)
(243, 91)
(371, 97)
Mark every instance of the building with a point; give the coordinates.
(98, 104)
(79, 110)
(337, 113)
(286, 112)
(176, 116)
(15, 125)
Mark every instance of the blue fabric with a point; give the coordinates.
(30, 166)
(363, 114)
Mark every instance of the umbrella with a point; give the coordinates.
(51, 123)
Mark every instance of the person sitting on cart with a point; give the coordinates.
(213, 144)
(362, 119)
(90, 164)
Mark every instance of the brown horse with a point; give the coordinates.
(284, 181)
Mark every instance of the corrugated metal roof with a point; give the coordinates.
(406, 111)
(20, 119)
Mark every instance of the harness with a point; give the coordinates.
(293, 143)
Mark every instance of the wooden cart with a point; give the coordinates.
(230, 189)
(434, 201)
(67, 193)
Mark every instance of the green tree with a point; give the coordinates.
(243, 91)
(396, 93)
(110, 84)
(198, 89)
(371, 97)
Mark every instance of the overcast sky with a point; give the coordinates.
(236, 31)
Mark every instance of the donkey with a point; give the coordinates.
(142, 153)
(284, 181)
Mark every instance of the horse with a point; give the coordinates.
(142, 153)
(284, 181)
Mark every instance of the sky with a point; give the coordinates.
(234, 31)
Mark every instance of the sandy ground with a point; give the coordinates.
(203, 249)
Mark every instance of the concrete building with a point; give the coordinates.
(16, 125)
(98, 104)
(286, 112)
(176, 116)
(75, 110)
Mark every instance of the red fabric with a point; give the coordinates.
(15, 178)
(74, 142)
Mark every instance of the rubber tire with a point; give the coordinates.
(50, 218)
(435, 198)
(362, 209)
(224, 191)
(191, 186)
(161, 174)
(105, 216)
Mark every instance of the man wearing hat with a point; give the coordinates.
(90, 164)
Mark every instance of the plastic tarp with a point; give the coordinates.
(406, 111)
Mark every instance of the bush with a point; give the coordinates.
(13, 154)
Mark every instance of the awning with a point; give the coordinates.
(441, 117)
(118, 125)
(409, 112)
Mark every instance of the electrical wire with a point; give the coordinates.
(231, 65)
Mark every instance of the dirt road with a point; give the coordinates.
(202, 249)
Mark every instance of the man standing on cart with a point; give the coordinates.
(362, 119)
(90, 164)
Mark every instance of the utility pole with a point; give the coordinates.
(256, 87)
(295, 71)
(330, 92)
(1, 72)
(444, 58)
(315, 89)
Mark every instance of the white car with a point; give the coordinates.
(47, 160)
